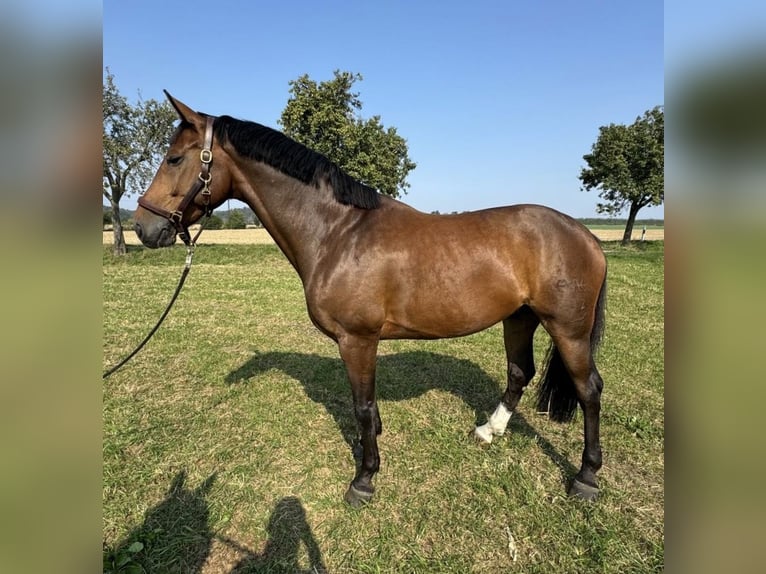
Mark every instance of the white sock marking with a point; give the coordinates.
(496, 424)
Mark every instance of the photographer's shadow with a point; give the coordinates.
(288, 529)
(175, 535)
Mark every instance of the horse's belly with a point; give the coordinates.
(437, 318)
(392, 330)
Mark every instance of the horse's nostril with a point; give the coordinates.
(138, 229)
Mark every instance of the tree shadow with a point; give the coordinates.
(287, 529)
(174, 537)
(401, 376)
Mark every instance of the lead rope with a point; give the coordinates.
(187, 266)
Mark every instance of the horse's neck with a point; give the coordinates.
(300, 218)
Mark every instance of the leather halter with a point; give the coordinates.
(201, 187)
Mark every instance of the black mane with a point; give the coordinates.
(294, 159)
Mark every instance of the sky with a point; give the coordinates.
(498, 100)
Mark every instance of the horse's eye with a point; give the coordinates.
(175, 160)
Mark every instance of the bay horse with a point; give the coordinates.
(374, 268)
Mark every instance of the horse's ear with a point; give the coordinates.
(186, 114)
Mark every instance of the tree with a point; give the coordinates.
(134, 138)
(325, 118)
(214, 222)
(236, 220)
(626, 165)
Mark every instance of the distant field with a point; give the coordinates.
(614, 233)
(211, 237)
(261, 236)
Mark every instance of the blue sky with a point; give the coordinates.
(498, 100)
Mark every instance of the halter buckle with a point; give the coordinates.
(206, 156)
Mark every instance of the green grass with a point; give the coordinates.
(227, 439)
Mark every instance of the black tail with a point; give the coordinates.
(556, 394)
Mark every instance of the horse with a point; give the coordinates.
(374, 268)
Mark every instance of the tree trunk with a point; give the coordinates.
(634, 207)
(119, 237)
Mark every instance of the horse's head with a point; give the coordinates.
(192, 180)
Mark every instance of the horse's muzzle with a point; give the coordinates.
(159, 234)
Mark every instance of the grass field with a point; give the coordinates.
(227, 439)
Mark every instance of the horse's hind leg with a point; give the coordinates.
(518, 332)
(577, 356)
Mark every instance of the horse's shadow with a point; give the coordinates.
(400, 376)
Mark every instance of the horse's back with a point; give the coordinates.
(518, 236)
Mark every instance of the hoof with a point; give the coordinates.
(357, 498)
(482, 435)
(583, 491)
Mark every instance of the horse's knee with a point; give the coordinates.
(365, 412)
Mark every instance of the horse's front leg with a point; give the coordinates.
(359, 354)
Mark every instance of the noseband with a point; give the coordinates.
(201, 187)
